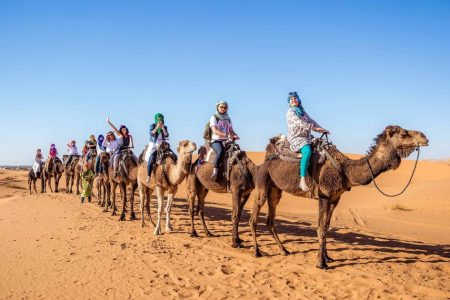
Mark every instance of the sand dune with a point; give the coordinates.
(52, 246)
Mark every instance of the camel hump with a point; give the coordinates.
(283, 148)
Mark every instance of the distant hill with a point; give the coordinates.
(22, 167)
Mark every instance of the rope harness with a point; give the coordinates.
(407, 185)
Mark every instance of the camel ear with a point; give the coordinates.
(391, 130)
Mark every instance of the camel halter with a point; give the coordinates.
(407, 185)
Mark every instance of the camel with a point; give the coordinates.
(126, 175)
(52, 168)
(165, 178)
(70, 171)
(32, 178)
(240, 184)
(103, 185)
(275, 176)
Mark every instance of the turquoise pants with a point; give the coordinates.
(306, 155)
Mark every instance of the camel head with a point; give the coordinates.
(396, 143)
(186, 147)
(271, 147)
(401, 140)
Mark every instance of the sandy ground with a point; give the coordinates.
(54, 247)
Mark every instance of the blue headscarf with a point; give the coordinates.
(299, 111)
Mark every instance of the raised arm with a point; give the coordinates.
(113, 127)
(131, 146)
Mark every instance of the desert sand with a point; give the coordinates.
(54, 247)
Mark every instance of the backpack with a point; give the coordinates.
(207, 133)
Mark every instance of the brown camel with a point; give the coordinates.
(70, 171)
(165, 178)
(126, 175)
(32, 178)
(240, 184)
(276, 175)
(103, 185)
(53, 168)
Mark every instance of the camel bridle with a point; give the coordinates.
(407, 185)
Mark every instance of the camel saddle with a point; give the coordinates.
(163, 152)
(231, 156)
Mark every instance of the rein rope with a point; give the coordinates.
(407, 185)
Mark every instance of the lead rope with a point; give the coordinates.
(407, 185)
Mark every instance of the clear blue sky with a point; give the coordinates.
(358, 66)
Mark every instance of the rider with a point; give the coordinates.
(91, 146)
(100, 149)
(53, 152)
(38, 163)
(300, 125)
(72, 149)
(222, 130)
(158, 134)
(126, 142)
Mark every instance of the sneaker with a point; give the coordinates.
(214, 174)
(303, 186)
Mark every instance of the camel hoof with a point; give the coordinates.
(122, 217)
(257, 253)
(209, 234)
(236, 245)
(322, 266)
(105, 210)
(157, 231)
(284, 252)
(113, 213)
(142, 225)
(132, 216)
(328, 259)
(194, 234)
(169, 229)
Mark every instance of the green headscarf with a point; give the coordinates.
(159, 116)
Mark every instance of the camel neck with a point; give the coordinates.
(380, 160)
(179, 171)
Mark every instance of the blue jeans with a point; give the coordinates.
(306, 155)
(218, 148)
(150, 163)
(97, 164)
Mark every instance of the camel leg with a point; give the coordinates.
(113, 196)
(123, 192)
(241, 207)
(133, 190)
(275, 196)
(56, 182)
(324, 208)
(142, 188)
(170, 197)
(237, 195)
(192, 193)
(77, 183)
(148, 194)
(67, 182)
(160, 195)
(201, 209)
(259, 199)
(333, 205)
(50, 184)
(34, 186)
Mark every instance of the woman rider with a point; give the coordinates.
(222, 130)
(300, 125)
(158, 134)
(126, 142)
